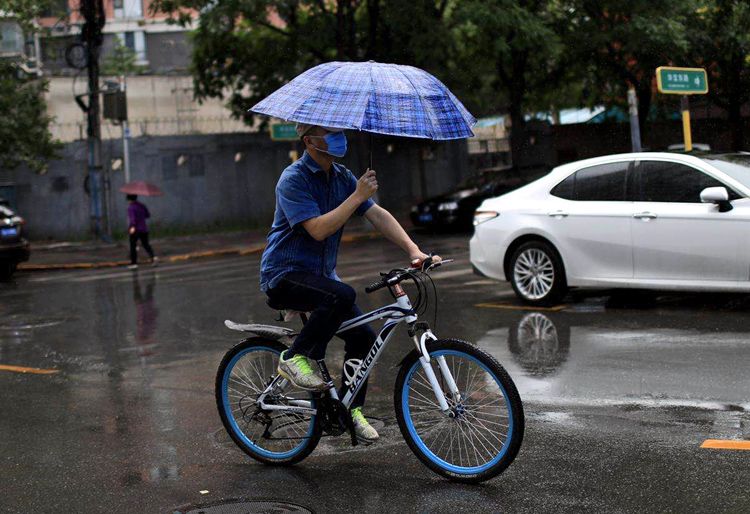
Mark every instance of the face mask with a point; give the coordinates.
(336, 142)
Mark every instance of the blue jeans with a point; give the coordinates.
(330, 303)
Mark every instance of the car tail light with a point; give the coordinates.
(482, 216)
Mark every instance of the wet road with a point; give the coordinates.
(619, 395)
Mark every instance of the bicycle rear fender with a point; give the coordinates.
(282, 334)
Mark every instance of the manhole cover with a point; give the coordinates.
(246, 507)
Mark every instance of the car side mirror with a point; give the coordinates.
(717, 195)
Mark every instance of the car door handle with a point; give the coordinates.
(557, 214)
(644, 215)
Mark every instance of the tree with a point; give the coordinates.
(622, 44)
(720, 42)
(516, 46)
(24, 134)
(122, 61)
(246, 49)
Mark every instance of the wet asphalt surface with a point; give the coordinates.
(619, 393)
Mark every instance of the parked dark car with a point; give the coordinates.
(455, 210)
(13, 247)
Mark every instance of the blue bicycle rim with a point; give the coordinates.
(418, 440)
(233, 423)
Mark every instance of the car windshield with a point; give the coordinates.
(736, 166)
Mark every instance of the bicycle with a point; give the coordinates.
(456, 406)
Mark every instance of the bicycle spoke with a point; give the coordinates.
(479, 427)
(248, 378)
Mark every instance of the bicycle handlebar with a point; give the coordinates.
(397, 275)
(375, 286)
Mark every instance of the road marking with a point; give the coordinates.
(510, 307)
(21, 369)
(726, 444)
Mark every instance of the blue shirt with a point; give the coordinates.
(304, 192)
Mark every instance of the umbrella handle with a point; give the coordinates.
(370, 151)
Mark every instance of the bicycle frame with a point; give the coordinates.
(398, 312)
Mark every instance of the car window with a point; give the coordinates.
(601, 183)
(736, 166)
(566, 188)
(663, 181)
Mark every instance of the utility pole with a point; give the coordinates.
(635, 129)
(94, 16)
(125, 135)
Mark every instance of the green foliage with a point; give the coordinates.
(245, 49)
(620, 44)
(720, 42)
(516, 56)
(24, 137)
(122, 61)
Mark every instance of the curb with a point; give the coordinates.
(205, 254)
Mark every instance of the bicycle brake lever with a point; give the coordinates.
(438, 264)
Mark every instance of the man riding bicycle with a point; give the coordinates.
(315, 197)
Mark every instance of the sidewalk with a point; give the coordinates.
(90, 255)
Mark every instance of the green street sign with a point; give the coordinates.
(681, 81)
(284, 132)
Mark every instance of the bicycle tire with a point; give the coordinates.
(510, 448)
(225, 412)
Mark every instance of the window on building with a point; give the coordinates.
(136, 41)
(128, 8)
(11, 38)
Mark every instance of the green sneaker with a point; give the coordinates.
(362, 427)
(299, 371)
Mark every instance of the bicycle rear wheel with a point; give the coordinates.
(271, 437)
(483, 433)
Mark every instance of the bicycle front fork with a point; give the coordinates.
(425, 361)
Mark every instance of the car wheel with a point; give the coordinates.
(537, 274)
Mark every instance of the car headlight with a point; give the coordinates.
(448, 206)
(482, 216)
(414, 208)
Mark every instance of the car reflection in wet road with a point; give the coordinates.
(681, 362)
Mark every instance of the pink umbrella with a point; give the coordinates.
(141, 188)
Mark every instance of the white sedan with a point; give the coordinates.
(640, 220)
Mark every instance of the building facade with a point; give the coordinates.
(160, 96)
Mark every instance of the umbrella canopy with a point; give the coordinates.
(383, 98)
(141, 188)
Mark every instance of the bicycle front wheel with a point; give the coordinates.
(482, 434)
(272, 437)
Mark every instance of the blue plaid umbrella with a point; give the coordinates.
(381, 98)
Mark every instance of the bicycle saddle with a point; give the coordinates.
(285, 314)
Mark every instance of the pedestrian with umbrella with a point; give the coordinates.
(137, 216)
(316, 196)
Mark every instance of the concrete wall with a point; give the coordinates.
(215, 180)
